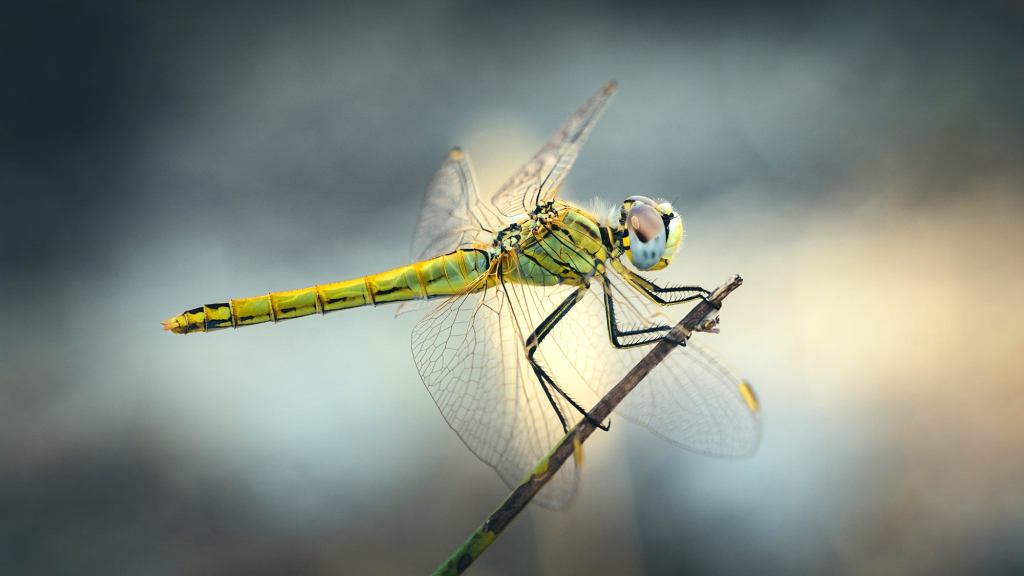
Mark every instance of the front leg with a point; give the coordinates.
(628, 338)
(663, 295)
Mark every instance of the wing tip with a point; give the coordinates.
(749, 396)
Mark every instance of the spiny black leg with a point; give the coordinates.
(664, 295)
(533, 342)
(667, 296)
(649, 335)
(543, 377)
(543, 384)
(551, 400)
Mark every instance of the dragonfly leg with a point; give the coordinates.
(664, 295)
(533, 343)
(543, 378)
(531, 347)
(636, 337)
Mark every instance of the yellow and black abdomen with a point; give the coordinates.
(441, 276)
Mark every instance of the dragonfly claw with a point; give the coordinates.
(674, 341)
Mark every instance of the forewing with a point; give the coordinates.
(469, 353)
(538, 180)
(453, 216)
(691, 399)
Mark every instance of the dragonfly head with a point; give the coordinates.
(651, 232)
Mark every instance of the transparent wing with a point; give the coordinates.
(469, 352)
(453, 215)
(538, 180)
(691, 399)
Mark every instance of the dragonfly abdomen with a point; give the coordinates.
(437, 277)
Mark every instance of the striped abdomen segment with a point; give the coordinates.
(442, 276)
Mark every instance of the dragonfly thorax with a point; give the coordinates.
(508, 238)
(545, 212)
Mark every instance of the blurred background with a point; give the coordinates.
(859, 164)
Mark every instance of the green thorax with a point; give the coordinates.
(558, 243)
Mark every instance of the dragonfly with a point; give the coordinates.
(537, 298)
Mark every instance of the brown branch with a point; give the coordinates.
(703, 317)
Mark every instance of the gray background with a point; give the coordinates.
(859, 164)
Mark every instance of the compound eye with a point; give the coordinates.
(644, 221)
